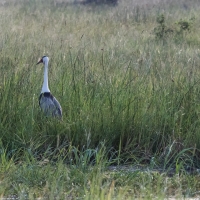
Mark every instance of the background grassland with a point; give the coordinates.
(127, 98)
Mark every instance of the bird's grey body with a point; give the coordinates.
(50, 105)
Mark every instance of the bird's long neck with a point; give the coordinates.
(45, 86)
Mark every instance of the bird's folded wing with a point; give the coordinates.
(58, 106)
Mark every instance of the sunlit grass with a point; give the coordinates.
(127, 98)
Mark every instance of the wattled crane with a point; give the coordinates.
(48, 103)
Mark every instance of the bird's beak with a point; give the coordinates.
(41, 61)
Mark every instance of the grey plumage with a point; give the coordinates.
(50, 105)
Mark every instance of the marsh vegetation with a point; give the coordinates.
(127, 78)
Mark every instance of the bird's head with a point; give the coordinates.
(43, 60)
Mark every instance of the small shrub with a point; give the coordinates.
(162, 30)
(185, 25)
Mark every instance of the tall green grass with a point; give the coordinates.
(112, 86)
(116, 83)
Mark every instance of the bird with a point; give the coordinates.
(47, 102)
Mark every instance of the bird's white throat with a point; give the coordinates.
(45, 86)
